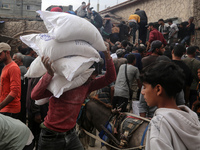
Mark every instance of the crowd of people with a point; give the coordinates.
(163, 70)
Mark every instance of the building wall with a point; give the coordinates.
(14, 28)
(197, 21)
(165, 9)
(156, 9)
(19, 8)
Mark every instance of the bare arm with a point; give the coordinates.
(139, 84)
(6, 101)
(40, 90)
(86, 6)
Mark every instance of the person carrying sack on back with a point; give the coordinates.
(58, 129)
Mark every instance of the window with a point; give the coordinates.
(28, 7)
(5, 6)
(31, 8)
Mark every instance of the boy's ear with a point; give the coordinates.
(159, 89)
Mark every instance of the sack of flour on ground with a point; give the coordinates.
(67, 27)
(45, 45)
(59, 84)
(69, 67)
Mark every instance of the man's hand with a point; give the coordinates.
(107, 52)
(38, 118)
(47, 63)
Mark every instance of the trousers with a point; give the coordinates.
(52, 140)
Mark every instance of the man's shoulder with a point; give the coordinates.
(122, 59)
(147, 57)
(196, 62)
(132, 69)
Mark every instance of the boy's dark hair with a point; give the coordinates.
(140, 50)
(137, 9)
(179, 50)
(129, 49)
(168, 53)
(124, 43)
(130, 58)
(83, 3)
(167, 74)
(160, 20)
(191, 50)
(197, 47)
(61, 7)
(169, 20)
(107, 16)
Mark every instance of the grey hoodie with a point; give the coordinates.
(172, 129)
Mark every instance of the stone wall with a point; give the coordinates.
(15, 28)
(156, 9)
(197, 21)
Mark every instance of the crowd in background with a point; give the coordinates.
(131, 52)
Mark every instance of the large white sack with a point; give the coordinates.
(45, 45)
(69, 67)
(36, 69)
(59, 84)
(73, 66)
(67, 27)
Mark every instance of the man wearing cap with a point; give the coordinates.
(120, 59)
(10, 85)
(157, 49)
(154, 35)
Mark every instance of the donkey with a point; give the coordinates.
(97, 113)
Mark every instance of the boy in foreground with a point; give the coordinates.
(172, 127)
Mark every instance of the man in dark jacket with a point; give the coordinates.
(142, 24)
(97, 21)
(123, 33)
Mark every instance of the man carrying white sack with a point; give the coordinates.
(58, 129)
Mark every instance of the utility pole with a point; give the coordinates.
(22, 8)
(97, 5)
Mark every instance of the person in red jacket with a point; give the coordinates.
(58, 129)
(154, 34)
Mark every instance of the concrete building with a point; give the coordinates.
(156, 9)
(19, 8)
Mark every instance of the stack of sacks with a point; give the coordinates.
(71, 43)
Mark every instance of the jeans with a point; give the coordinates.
(185, 39)
(52, 140)
(192, 97)
(143, 31)
(134, 27)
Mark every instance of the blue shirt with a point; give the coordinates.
(138, 60)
